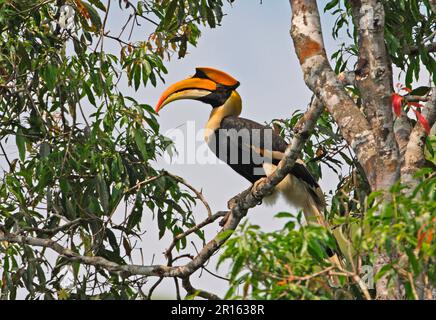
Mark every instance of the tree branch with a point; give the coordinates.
(414, 158)
(431, 47)
(374, 80)
(199, 194)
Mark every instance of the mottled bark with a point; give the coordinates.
(374, 80)
(386, 152)
(402, 130)
(414, 158)
(321, 79)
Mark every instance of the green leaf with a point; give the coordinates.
(98, 4)
(169, 14)
(420, 91)
(93, 15)
(316, 250)
(103, 193)
(284, 215)
(237, 266)
(413, 261)
(89, 93)
(113, 241)
(161, 222)
(223, 235)
(49, 75)
(140, 143)
(135, 217)
(331, 5)
(383, 270)
(137, 76)
(290, 225)
(21, 144)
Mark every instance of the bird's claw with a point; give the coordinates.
(254, 191)
(225, 219)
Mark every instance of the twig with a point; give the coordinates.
(147, 181)
(197, 227)
(56, 230)
(199, 194)
(157, 283)
(412, 285)
(200, 293)
(176, 282)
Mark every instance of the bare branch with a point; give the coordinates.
(374, 80)
(56, 230)
(414, 158)
(153, 287)
(195, 228)
(431, 47)
(145, 182)
(199, 194)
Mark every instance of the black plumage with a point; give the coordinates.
(230, 136)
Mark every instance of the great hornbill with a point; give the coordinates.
(249, 148)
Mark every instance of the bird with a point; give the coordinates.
(249, 148)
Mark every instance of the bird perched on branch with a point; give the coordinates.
(249, 148)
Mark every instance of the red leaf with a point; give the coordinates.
(421, 237)
(424, 235)
(423, 121)
(415, 104)
(397, 102)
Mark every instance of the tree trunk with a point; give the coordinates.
(387, 150)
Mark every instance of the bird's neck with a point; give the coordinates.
(232, 107)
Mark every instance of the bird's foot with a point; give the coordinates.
(225, 219)
(254, 190)
(231, 204)
(237, 199)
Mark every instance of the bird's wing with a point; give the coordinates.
(264, 142)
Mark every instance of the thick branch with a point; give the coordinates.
(402, 130)
(374, 80)
(414, 158)
(431, 47)
(320, 78)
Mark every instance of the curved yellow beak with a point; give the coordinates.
(190, 88)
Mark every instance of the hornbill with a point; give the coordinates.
(249, 148)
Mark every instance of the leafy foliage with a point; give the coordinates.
(85, 149)
(409, 34)
(327, 150)
(290, 264)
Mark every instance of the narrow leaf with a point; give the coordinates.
(423, 121)
(21, 144)
(397, 102)
(420, 91)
